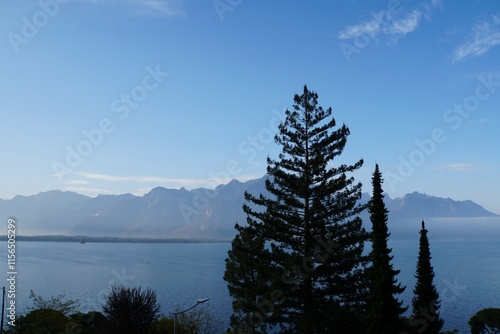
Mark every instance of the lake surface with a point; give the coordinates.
(467, 273)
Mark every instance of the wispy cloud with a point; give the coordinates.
(399, 28)
(77, 182)
(181, 182)
(394, 29)
(484, 36)
(484, 121)
(392, 25)
(460, 167)
(170, 182)
(91, 191)
(371, 28)
(111, 178)
(160, 8)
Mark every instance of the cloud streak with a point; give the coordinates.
(393, 25)
(158, 8)
(171, 182)
(169, 8)
(484, 36)
(90, 191)
(371, 28)
(460, 167)
(181, 182)
(484, 121)
(405, 25)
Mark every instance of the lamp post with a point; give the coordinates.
(3, 309)
(198, 302)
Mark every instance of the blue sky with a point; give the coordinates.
(117, 96)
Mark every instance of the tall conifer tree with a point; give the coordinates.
(425, 314)
(384, 309)
(314, 237)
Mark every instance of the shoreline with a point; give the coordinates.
(89, 239)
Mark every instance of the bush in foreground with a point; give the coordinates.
(131, 310)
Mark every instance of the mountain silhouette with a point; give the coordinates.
(179, 213)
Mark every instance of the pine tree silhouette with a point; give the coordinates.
(384, 309)
(425, 303)
(313, 235)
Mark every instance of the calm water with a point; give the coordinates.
(467, 276)
(179, 273)
(467, 273)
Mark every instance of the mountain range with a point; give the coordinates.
(180, 213)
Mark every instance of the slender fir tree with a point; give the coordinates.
(309, 221)
(425, 317)
(384, 309)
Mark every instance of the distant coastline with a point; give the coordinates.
(88, 239)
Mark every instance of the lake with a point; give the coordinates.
(467, 273)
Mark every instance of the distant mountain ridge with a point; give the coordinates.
(413, 204)
(180, 213)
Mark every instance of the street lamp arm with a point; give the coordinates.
(199, 301)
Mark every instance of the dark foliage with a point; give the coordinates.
(41, 321)
(89, 323)
(385, 311)
(306, 238)
(131, 310)
(425, 316)
(485, 321)
(247, 271)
